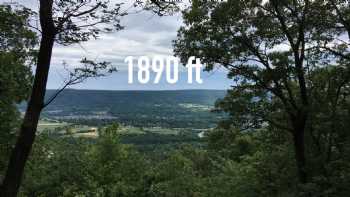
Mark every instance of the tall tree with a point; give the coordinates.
(17, 44)
(272, 50)
(65, 22)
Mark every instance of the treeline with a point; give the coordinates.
(177, 121)
(231, 163)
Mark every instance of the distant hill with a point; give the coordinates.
(176, 108)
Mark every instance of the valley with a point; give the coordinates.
(147, 119)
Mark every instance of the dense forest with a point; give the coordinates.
(285, 130)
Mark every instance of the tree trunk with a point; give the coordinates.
(20, 153)
(299, 148)
(299, 125)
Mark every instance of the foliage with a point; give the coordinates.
(75, 167)
(17, 44)
(290, 71)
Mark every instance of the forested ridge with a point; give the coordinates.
(171, 109)
(281, 130)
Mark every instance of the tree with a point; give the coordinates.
(66, 22)
(272, 50)
(73, 166)
(17, 44)
(160, 7)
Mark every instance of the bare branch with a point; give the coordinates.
(90, 69)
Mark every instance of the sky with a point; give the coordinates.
(145, 34)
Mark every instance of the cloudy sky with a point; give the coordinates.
(145, 34)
